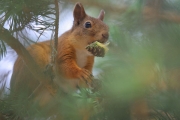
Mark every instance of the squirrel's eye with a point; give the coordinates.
(87, 24)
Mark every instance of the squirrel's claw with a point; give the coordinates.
(85, 78)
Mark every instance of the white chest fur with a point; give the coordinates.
(81, 57)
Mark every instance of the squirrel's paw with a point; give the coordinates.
(85, 78)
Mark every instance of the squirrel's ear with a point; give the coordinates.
(101, 15)
(79, 13)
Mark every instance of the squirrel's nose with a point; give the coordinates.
(105, 35)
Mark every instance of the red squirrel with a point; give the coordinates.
(73, 62)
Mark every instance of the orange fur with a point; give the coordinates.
(73, 63)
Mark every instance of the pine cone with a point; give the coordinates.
(97, 49)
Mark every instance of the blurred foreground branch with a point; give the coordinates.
(104, 5)
(151, 11)
(150, 14)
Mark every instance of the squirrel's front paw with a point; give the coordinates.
(85, 77)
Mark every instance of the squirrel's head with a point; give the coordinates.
(87, 29)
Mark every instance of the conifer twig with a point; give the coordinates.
(55, 45)
(56, 24)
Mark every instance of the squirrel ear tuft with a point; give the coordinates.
(101, 15)
(79, 13)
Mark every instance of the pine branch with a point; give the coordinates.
(21, 14)
(54, 49)
(56, 24)
(24, 54)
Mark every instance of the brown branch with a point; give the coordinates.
(170, 16)
(34, 68)
(56, 23)
(156, 4)
(49, 67)
(153, 15)
(54, 50)
(14, 43)
(111, 8)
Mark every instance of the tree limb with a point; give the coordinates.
(14, 43)
(151, 11)
(112, 8)
(170, 16)
(55, 45)
(56, 24)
